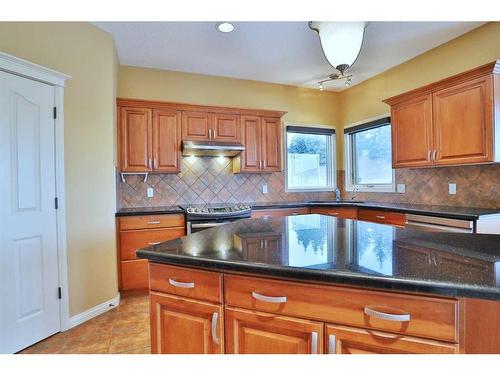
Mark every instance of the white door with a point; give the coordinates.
(29, 277)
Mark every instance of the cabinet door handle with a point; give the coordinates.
(380, 217)
(331, 344)
(429, 156)
(214, 134)
(215, 318)
(260, 164)
(150, 161)
(269, 299)
(314, 342)
(153, 243)
(434, 155)
(266, 217)
(265, 164)
(333, 213)
(179, 284)
(153, 222)
(155, 165)
(385, 316)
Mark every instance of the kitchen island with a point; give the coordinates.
(318, 284)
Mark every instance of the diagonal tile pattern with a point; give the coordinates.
(207, 180)
(123, 330)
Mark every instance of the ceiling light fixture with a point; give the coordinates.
(335, 77)
(225, 27)
(341, 42)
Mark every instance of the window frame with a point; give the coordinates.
(349, 143)
(331, 169)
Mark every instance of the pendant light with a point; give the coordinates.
(341, 41)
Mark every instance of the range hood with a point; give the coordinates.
(211, 148)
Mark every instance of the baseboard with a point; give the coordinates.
(94, 311)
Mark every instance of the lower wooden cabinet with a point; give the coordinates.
(348, 340)
(280, 212)
(251, 332)
(382, 217)
(185, 326)
(339, 212)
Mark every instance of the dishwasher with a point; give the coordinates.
(439, 223)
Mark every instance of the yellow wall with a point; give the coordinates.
(468, 51)
(88, 55)
(304, 106)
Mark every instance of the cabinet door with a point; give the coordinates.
(251, 332)
(463, 128)
(195, 126)
(271, 144)
(412, 132)
(185, 326)
(251, 137)
(135, 139)
(226, 128)
(348, 340)
(134, 274)
(166, 141)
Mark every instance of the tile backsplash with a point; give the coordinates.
(210, 180)
(477, 186)
(207, 180)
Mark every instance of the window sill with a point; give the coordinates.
(304, 190)
(366, 189)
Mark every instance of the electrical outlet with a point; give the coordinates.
(264, 189)
(150, 192)
(452, 189)
(401, 188)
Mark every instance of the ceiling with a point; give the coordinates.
(279, 52)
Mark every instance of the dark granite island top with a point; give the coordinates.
(324, 249)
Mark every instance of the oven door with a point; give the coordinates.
(193, 226)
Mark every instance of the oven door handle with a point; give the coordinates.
(208, 225)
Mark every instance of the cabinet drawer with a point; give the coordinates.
(151, 221)
(348, 340)
(278, 212)
(429, 317)
(134, 274)
(130, 241)
(186, 282)
(384, 217)
(340, 212)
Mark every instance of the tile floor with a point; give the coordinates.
(124, 330)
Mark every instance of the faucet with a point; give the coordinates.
(337, 194)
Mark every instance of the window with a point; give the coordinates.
(310, 159)
(369, 157)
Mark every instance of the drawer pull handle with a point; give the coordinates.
(331, 344)
(385, 316)
(380, 217)
(266, 217)
(179, 284)
(153, 243)
(264, 298)
(154, 222)
(215, 318)
(333, 213)
(314, 342)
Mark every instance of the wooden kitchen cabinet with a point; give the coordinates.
(450, 122)
(226, 127)
(382, 217)
(262, 139)
(166, 141)
(349, 340)
(149, 140)
(185, 326)
(252, 332)
(136, 232)
(280, 212)
(195, 126)
(206, 126)
(339, 212)
(135, 129)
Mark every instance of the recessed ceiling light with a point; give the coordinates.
(225, 27)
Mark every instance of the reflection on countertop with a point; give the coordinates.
(323, 248)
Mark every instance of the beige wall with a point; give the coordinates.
(304, 106)
(470, 50)
(88, 55)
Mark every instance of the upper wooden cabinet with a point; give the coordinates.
(454, 121)
(150, 134)
(262, 139)
(135, 139)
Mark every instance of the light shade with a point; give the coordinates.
(341, 41)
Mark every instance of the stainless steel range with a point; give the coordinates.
(209, 216)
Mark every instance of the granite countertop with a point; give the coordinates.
(329, 250)
(466, 213)
(149, 211)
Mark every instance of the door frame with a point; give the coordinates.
(26, 69)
